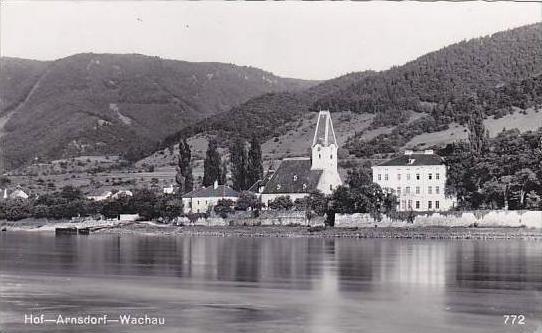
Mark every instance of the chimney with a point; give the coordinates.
(215, 185)
(428, 152)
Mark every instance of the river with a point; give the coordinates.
(229, 284)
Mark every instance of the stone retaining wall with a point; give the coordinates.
(267, 218)
(496, 218)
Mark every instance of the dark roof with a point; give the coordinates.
(211, 192)
(261, 182)
(291, 175)
(414, 160)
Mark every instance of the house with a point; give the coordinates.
(169, 190)
(418, 179)
(121, 193)
(298, 177)
(18, 194)
(101, 196)
(204, 199)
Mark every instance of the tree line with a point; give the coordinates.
(245, 165)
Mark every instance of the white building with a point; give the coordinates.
(18, 194)
(418, 180)
(297, 177)
(204, 199)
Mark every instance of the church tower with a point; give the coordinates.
(324, 153)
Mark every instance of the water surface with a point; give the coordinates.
(214, 284)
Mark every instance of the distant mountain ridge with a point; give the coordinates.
(115, 103)
(495, 73)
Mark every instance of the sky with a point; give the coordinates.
(309, 40)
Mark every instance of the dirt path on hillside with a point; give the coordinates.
(5, 118)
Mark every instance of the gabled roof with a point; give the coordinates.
(211, 192)
(293, 176)
(261, 182)
(414, 160)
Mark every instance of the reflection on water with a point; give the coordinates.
(207, 284)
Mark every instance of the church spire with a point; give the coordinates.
(324, 133)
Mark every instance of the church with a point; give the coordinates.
(298, 177)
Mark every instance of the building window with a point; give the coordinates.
(409, 204)
(403, 204)
(417, 176)
(278, 186)
(386, 177)
(319, 156)
(417, 205)
(331, 156)
(407, 190)
(379, 177)
(429, 190)
(398, 191)
(430, 176)
(437, 205)
(437, 176)
(437, 190)
(198, 202)
(408, 176)
(429, 205)
(331, 187)
(304, 186)
(295, 178)
(398, 176)
(417, 190)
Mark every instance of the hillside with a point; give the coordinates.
(115, 104)
(441, 79)
(267, 115)
(499, 73)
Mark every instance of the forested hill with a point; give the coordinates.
(265, 115)
(442, 79)
(115, 104)
(494, 72)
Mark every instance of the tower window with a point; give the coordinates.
(319, 155)
(331, 156)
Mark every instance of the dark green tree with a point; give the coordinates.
(478, 134)
(239, 164)
(211, 164)
(255, 164)
(184, 178)
(223, 172)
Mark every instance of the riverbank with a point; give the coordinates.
(157, 229)
(290, 231)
